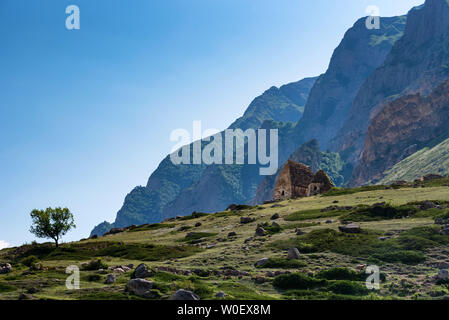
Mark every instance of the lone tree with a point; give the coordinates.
(52, 223)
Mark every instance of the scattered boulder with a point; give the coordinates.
(261, 262)
(275, 224)
(361, 267)
(260, 232)
(198, 224)
(232, 234)
(443, 274)
(299, 232)
(350, 228)
(426, 205)
(445, 231)
(140, 287)
(142, 271)
(23, 296)
(220, 294)
(329, 221)
(245, 220)
(439, 221)
(231, 207)
(260, 280)
(5, 268)
(32, 290)
(110, 279)
(183, 295)
(275, 216)
(293, 254)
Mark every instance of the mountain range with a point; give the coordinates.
(379, 109)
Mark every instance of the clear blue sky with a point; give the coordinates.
(86, 115)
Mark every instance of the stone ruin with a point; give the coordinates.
(297, 180)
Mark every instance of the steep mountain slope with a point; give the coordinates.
(284, 104)
(403, 127)
(433, 159)
(150, 203)
(417, 63)
(360, 52)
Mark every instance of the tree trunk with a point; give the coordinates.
(57, 244)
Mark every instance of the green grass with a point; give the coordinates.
(299, 281)
(194, 215)
(6, 288)
(84, 251)
(300, 225)
(280, 263)
(195, 236)
(312, 214)
(380, 212)
(345, 191)
(155, 226)
(407, 248)
(238, 291)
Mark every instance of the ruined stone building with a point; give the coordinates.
(297, 180)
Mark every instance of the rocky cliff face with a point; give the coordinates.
(417, 63)
(403, 127)
(284, 104)
(360, 52)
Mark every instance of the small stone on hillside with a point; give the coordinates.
(299, 232)
(5, 268)
(443, 274)
(439, 221)
(350, 228)
(275, 216)
(110, 279)
(261, 262)
(198, 224)
(232, 234)
(183, 295)
(426, 205)
(260, 232)
(142, 271)
(220, 294)
(245, 220)
(445, 231)
(23, 296)
(293, 254)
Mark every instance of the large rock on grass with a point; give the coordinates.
(185, 295)
(140, 287)
(5, 268)
(350, 228)
(293, 254)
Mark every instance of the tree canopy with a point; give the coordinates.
(52, 223)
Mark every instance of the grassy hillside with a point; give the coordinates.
(198, 252)
(432, 159)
